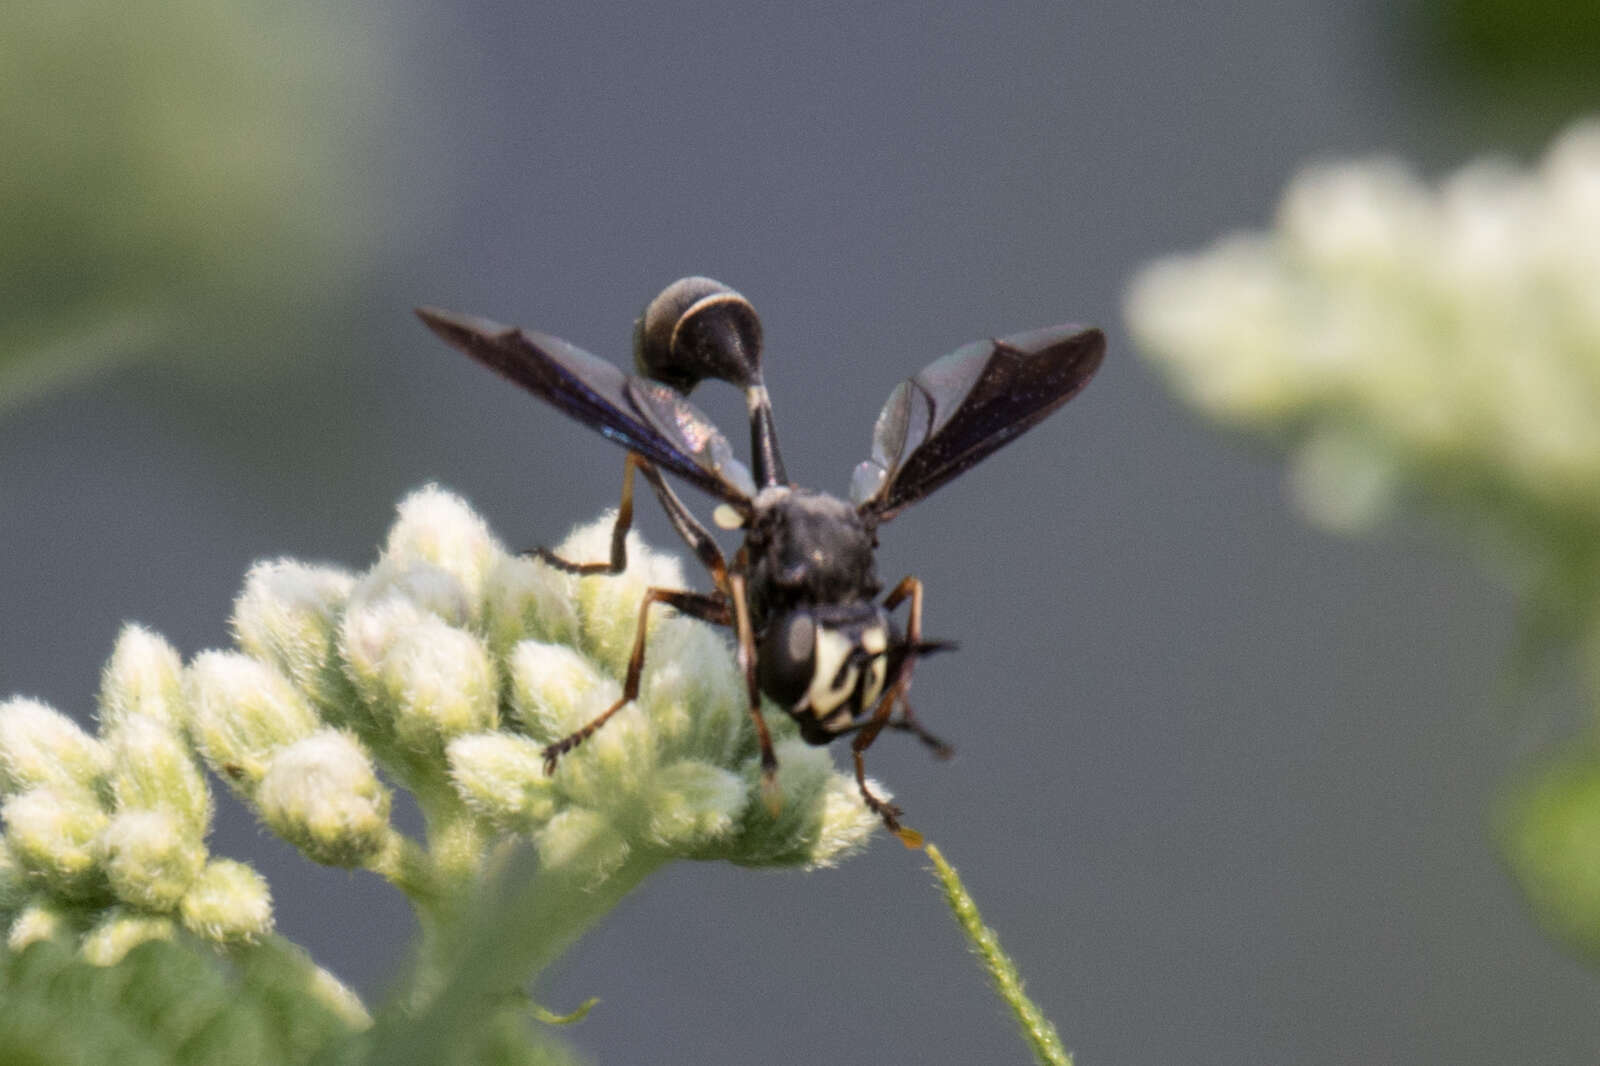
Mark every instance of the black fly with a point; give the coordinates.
(801, 592)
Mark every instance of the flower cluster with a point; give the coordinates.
(1443, 341)
(105, 834)
(445, 669)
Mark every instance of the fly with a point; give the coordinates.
(801, 593)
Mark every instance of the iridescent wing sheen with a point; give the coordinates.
(641, 415)
(964, 406)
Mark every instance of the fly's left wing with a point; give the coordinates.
(641, 415)
(961, 408)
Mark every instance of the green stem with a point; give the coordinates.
(1036, 1028)
(505, 943)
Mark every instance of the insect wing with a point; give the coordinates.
(668, 430)
(678, 420)
(961, 408)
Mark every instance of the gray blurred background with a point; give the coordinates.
(1222, 779)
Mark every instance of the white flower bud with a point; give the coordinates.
(555, 690)
(694, 803)
(439, 528)
(228, 903)
(608, 604)
(40, 746)
(582, 842)
(288, 615)
(821, 820)
(43, 919)
(243, 712)
(14, 887)
(322, 795)
(695, 696)
(120, 931)
(501, 776)
(143, 679)
(438, 683)
(52, 833)
(153, 769)
(526, 599)
(367, 633)
(846, 825)
(150, 858)
(428, 588)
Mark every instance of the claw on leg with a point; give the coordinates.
(553, 752)
(884, 809)
(771, 794)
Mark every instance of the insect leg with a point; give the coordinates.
(687, 526)
(619, 531)
(712, 608)
(747, 665)
(908, 723)
(896, 692)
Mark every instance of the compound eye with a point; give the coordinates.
(787, 657)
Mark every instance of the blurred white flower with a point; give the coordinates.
(1443, 341)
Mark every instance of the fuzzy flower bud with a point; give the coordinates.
(581, 842)
(53, 835)
(153, 769)
(243, 712)
(42, 919)
(367, 632)
(608, 604)
(526, 599)
(287, 615)
(228, 903)
(555, 690)
(438, 528)
(427, 588)
(144, 679)
(120, 931)
(322, 795)
(694, 802)
(40, 746)
(822, 819)
(150, 858)
(501, 776)
(439, 683)
(13, 883)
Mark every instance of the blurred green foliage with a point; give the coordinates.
(176, 1003)
(1548, 824)
(167, 1002)
(1511, 71)
(170, 168)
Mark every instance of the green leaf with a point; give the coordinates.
(1548, 824)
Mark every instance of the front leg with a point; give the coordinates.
(712, 608)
